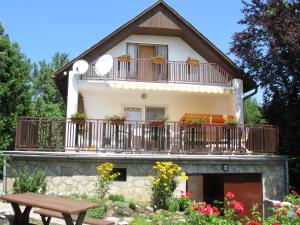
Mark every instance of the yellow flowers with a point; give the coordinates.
(163, 182)
(105, 178)
(184, 177)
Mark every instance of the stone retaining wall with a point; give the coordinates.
(65, 176)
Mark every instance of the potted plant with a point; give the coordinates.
(117, 119)
(159, 59)
(124, 58)
(231, 123)
(78, 118)
(159, 122)
(193, 120)
(192, 61)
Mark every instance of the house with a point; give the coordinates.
(162, 68)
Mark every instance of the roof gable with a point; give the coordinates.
(158, 19)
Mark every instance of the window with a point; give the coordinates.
(155, 113)
(123, 174)
(133, 113)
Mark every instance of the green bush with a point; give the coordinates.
(116, 198)
(97, 213)
(29, 181)
(132, 204)
(120, 207)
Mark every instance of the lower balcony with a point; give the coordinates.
(43, 134)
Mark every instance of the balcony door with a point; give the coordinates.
(141, 66)
(145, 67)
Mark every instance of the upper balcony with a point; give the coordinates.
(147, 70)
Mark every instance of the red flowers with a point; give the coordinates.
(207, 209)
(238, 206)
(186, 195)
(298, 212)
(230, 195)
(275, 223)
(253, 222)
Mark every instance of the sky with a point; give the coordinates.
(43, 27)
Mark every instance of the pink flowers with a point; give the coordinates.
(230, 195)
(298, 212)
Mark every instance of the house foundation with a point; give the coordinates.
(76, 172)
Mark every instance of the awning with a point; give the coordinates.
(171, 87)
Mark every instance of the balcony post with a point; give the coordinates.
(238, 99)
(72, 94)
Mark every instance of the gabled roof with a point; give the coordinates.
(158, 19)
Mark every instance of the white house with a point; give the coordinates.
(163, 67)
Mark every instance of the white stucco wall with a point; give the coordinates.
(102, 102)
(178, 50)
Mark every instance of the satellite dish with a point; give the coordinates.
(104, 65)
(80, 66)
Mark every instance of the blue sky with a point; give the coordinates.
(44, 27)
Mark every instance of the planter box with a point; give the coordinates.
(158, 61)
(117, 122)
(78, 121)
(124, 58)
(192, 62)
(157, 123)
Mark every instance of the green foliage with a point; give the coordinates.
(132, 204)
(46, 100)
(119, 207)
(164, 183)
(14, 88)
(252, 112)
(116, 198)
(105, 178)
(29, 181)
(97, 213)
(78, 115)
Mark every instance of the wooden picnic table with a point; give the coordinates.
(65, 206)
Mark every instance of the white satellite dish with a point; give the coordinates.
(80, 66)
(104, 65)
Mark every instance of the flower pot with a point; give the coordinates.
(192, 62)
(78, 121)
(188, 124)
(124, 58)
(157, 123)
(158, 61)
(117, 122)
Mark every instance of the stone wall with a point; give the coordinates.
(69, 175)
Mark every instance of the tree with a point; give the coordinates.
(268, 49)
(252, 112)
(14, 88)
(46, 100)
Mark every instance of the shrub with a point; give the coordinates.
(116, 198)
(119, 207)
(132, 204)
(105, 178)
(164, 183)
(97, 213)
(29, 181)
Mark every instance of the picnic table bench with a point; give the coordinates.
(46, 214)
(65, 207)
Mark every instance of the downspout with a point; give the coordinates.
(251, 94)
(286, 176)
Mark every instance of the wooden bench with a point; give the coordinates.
(47, 214)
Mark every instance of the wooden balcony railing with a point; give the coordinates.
(44, 134)
(171, 71)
